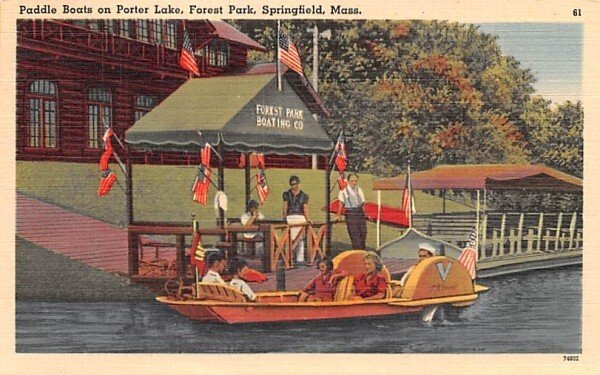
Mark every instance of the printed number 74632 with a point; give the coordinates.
(570, 358)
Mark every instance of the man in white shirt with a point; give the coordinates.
(238, 270)
(216, 265)
(353, 198)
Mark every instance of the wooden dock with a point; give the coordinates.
(104, 246)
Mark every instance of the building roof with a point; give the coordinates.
(264, 68)
(486, 176)
(230, 33)
(227, 109)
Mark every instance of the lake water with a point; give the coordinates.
(537, 312)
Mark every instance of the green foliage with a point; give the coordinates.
(432, 92)
(555, 134)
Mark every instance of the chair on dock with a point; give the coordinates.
(157, 266)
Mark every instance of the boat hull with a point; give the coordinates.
(261, 313)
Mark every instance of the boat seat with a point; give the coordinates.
(352, 262)
(219, 292)
(344, 290)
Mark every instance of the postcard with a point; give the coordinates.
(299, 187)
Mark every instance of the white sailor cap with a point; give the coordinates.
(427, 246)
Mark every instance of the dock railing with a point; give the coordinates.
(508, 233)
(162, 249)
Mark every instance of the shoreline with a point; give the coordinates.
(45, 276)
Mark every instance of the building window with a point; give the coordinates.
(99, 112)
(142, 30)
(157, 31)
(143, 105)
(109, 26)
(42, 99)
(217, 53)
(94, 25)
(125, 28)
(170, 34)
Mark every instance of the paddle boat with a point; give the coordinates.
(435, 281)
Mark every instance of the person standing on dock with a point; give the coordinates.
(353, 198)
(295, 211)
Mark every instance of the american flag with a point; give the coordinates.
(288, 54)
(261, 186)
(201, 185)
(341, 157)
(468, 257)
(342, 182)
(260, 159)
(186, 58)
(408, 201)
(205, 155)
(202, 180)
(108, 177)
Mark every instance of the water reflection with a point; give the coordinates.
(534, 312)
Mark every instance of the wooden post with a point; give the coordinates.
(520, 234)
(221, 185)
(378, 218)
(502, 228)
(247, 178)
(180, 255)
(557, 234)
(266, 255)
(444, 201)
(133, 261)
(482, 254)
(327, 244)
(539, 232)
(572, 230)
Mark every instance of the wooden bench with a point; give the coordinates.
(219, 292)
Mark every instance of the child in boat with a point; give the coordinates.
(323, 286)
(238, 269)
(216, 265)
(371, 285)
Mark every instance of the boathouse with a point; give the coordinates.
(259, 111)
(75, 76)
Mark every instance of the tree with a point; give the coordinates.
(556, 134)
(432, 92)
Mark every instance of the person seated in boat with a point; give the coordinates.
(238, 269)
(216, 265)
(426, 250)
(321, 287)
(370, 285)
(251, 217)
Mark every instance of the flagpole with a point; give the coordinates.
(193, 253)
(409, 199)
(378, 218)
(331, 159)
(277, 57)
(183, 25)
(477, 223)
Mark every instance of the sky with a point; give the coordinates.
(552, 51)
